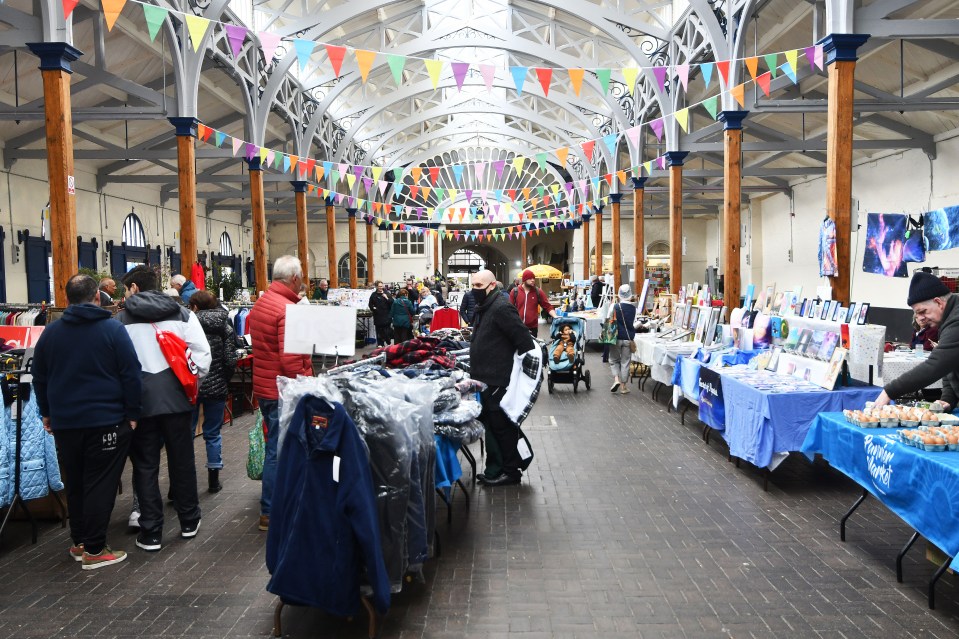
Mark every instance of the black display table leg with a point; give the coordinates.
(842, 522)
(902, 553)
(932, 582)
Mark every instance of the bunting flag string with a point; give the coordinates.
(657, 126)
(269, 42)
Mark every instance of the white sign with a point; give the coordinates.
(324, 330)
(71, 185)
(454, 298)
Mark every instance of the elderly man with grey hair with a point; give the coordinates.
(267, 322)
(186, 288)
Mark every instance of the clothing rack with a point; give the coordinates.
(18, 501)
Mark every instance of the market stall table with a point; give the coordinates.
(763, 427)
(895, 364)
(898, 476)
(594, 324)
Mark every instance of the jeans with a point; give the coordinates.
(382, 334)
(213, 410)
(92, 460)
(151, 434)
(619, 358)
(271, 419)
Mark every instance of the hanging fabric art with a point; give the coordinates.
(827, 249)
(885, 245)
(915, 246)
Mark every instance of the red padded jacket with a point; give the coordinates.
(267, 326)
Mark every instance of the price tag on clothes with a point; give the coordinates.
(336, 468)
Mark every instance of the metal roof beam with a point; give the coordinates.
(911, 29)
(860, 106)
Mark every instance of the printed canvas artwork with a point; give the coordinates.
(941, 228)
(885, 245)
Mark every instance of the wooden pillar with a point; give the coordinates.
(370, 278)
(55, 69)
(354, 279)
(260, 255)
(331, 244)
(614, 221)
(639, 235)
(840, 50)
(585, 246)
(598, 212)
(732, 204)
(523, 251)
(186, 190)
(302, 230)
(675, 160)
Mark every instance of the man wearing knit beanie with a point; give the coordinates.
(933, 305)
(528, 298)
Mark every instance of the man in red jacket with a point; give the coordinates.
(267, 323)
(527, 298)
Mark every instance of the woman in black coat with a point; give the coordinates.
(380, 303)
(215, 386)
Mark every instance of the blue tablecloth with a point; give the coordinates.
(760, 424)
(448, 468)
(918, 486)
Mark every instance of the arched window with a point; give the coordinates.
(133, 234)
(226, 245)
(343, 269)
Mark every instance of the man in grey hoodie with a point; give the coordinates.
(166, 415)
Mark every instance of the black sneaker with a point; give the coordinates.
(150, 541)
(189, 529)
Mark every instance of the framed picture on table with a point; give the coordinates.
(709, 336)
(641, 302)
(863, 312)
(826, 308)
(778, 303)
(838, 312)
(678, 315)
(693, 318)
(851, 313)
(687, 310)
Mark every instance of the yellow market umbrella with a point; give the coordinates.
(543, 272)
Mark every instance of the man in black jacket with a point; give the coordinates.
(468, 307)
(933, 305)
(88, 361)
(498, 334)
(380, 303)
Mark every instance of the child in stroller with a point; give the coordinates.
(567, 350)
(565, 344)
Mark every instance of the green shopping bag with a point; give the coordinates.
(257, 454)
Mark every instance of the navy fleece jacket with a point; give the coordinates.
(85, 370)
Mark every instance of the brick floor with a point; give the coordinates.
(627, 525)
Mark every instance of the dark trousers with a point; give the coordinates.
(176, 432)
(92, 461)
(502, 430)
(382, 334)
(402, 334)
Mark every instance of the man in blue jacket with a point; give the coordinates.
(88, 361)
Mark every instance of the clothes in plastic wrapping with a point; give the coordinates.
(291, 391)
(391, 458)
(461, 434)
(421, 514)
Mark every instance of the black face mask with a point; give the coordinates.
(479, 294)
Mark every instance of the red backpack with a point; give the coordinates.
(180, 358)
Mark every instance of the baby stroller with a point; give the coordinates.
(568, 370)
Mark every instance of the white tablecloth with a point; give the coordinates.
(896, 364)
(594, 325)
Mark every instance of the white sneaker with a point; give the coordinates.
(134, 521)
